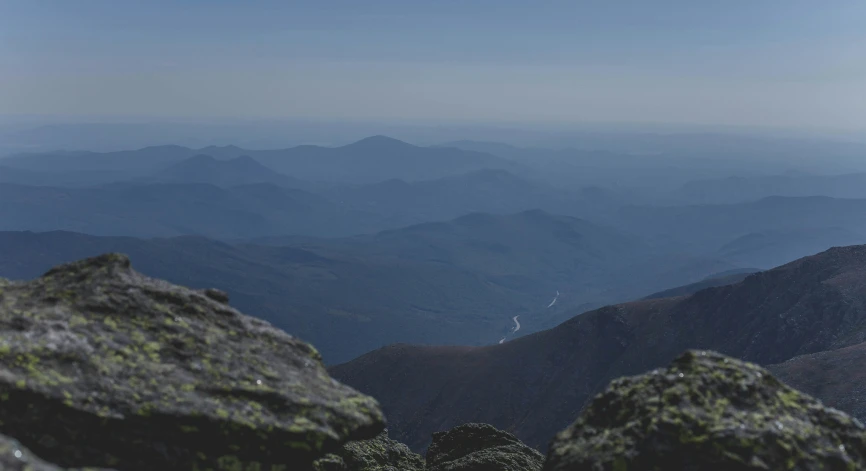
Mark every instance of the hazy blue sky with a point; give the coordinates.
(763, 62)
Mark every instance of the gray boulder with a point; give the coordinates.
(708, 411)
(102, 366)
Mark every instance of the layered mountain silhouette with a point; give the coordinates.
(788, 223)
(171, 209)
(533, 385)
(369, 160)
(537, 254)
(458, 282)
(743, 189)
(129, 162)
(774, 247)
(720, 279)
(487, 191)
(235, 171)
(377, 158)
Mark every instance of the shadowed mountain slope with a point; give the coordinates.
(534, 385)
(711, 282)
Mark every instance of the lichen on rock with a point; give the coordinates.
(708, 411)
(103, 366)
(480, 447)
(377, 454)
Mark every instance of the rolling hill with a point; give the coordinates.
(459, 282)
(485, 191)
(534, 253)
(535, 385)
(835, 376)
(236, 171)
(170, 209)
(774, 247)
(708, 229)
(347, 305)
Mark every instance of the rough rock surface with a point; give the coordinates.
(15, 457)
(330, 462)
(378, 454)
(480, 447)
(708, 411)
(102, 366)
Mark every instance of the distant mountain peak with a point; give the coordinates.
(165, 147)
(379, 141)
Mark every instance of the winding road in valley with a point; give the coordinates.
(554, 300)
(517, 322)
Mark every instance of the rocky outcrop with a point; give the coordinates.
(708, 411)
(378, 454)
(479, 447)
(102, 366)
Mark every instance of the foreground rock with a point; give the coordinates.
(102, 366)
(707, 411)
(480, 447)
(378, 454)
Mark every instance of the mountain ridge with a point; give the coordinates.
(368, 160)
(811, 305)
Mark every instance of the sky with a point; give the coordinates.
(788, 63)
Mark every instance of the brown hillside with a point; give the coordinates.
(838, 377)
(536, 385)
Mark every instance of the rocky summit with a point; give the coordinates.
(477, 447)
(708, 411)
(102, 366)
(378, 454)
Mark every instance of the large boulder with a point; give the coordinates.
(480, 447)
(378, 454)
(102, 366)
(708, 411)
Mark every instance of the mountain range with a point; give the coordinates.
(235, 171)
(784, 225)
(533, 385)
(371, 160)
(738, 189)
(478, 282)
(457, 282)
